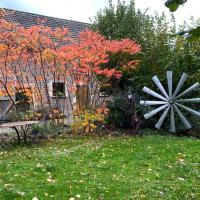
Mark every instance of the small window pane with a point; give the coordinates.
(58, 89)
(23, 99)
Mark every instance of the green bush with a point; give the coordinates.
(49, 128)
(120, 112)
(14, 116)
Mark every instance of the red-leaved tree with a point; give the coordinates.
(32, 58)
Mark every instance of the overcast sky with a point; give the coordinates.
(83, 10)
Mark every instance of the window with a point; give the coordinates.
(23, 99)
(58, 89)
(103, 94)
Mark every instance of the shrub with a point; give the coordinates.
(13, 116)
(120, 112)
(47, 128)
(89, 121)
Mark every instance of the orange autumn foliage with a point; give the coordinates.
(30, 57)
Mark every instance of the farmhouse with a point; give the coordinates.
(55, 87)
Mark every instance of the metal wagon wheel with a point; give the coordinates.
(171, 101)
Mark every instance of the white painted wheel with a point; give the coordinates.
(171, 101)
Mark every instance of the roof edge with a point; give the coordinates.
(44, 16)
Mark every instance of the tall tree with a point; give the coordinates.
(153, 33)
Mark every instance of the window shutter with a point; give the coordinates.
(50, 88)
(66, 91)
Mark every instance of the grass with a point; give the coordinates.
(148, 167)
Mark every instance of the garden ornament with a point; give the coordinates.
(171, 101)
(136, 122)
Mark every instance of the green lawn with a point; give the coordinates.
(150, 167)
